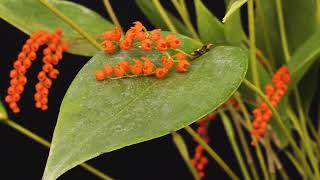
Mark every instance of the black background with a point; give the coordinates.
(22, 158)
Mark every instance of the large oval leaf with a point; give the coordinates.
(31, 15)
(3, 112)
(98, 117)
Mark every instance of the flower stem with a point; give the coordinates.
(212, 153)
(46, 144)
(185, 17)
(282, 29)
(71, 23)
(244, 143)
(235, 147)
(252, 44)
(183, 150)
(111, 13)
(164, 16)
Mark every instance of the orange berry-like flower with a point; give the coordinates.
(180, 56)
(108, 70)
(161, 72)
(124, 65)
(182, 66)
(136, 68)
(116, 34)
(141, 36)
(108, 46)
(161, 45)
(154, 34)
(126, 44)
(167, 63)
(148, 66)
(138, 26)
(119, 72)
(107, 36)
(100, 75)
(146, 45)
(173, 41)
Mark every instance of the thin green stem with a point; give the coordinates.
(183, 150)
(164, 16)
(111, 13)
(282, 29)
(296, 164)
(212, 153)
(252, 44)
(305, 140)
(318, 11)
(235, 147)
(244, 143)
(71, 23)
(185, 18)
(265, 33)
(46, 144)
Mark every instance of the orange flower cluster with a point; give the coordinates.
(199, 160)
(138, 32)
(143, 67)
(52, 56)
(146, 42)
(274, 92)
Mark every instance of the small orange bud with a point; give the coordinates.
(100, 75)
(108, 47)
(182, 66)
(161, 45)
(125, 44)
(161, 72)
(146, 45)
(108, 70)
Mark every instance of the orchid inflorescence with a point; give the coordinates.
(262, 114)
(52, 56)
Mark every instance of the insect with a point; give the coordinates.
(201, 51)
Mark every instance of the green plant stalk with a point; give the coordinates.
(270, 159)
(46, 144)
(257, 148)
(283, 36)
(318, 11)
(111, 13)
(252, 44)
(185, 18)
(164, 16)
(212, 153)
(265, 33)
(283, 174)
(181, 146)
(235, 147)
(305, 139)
(71, 24)
(244, 144)
(296, 164)
(277, 120)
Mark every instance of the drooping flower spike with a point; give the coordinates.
(52, 56)
(274, 92)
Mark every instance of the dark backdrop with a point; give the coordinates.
(22, 158)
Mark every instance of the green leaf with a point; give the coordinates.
(99, 117)
(309, 80)
(303, 59)
(233, 27)
(148, 9)
(300, 21)
(210, 29)
(235, 6)
(3, 112)
(31, 15)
